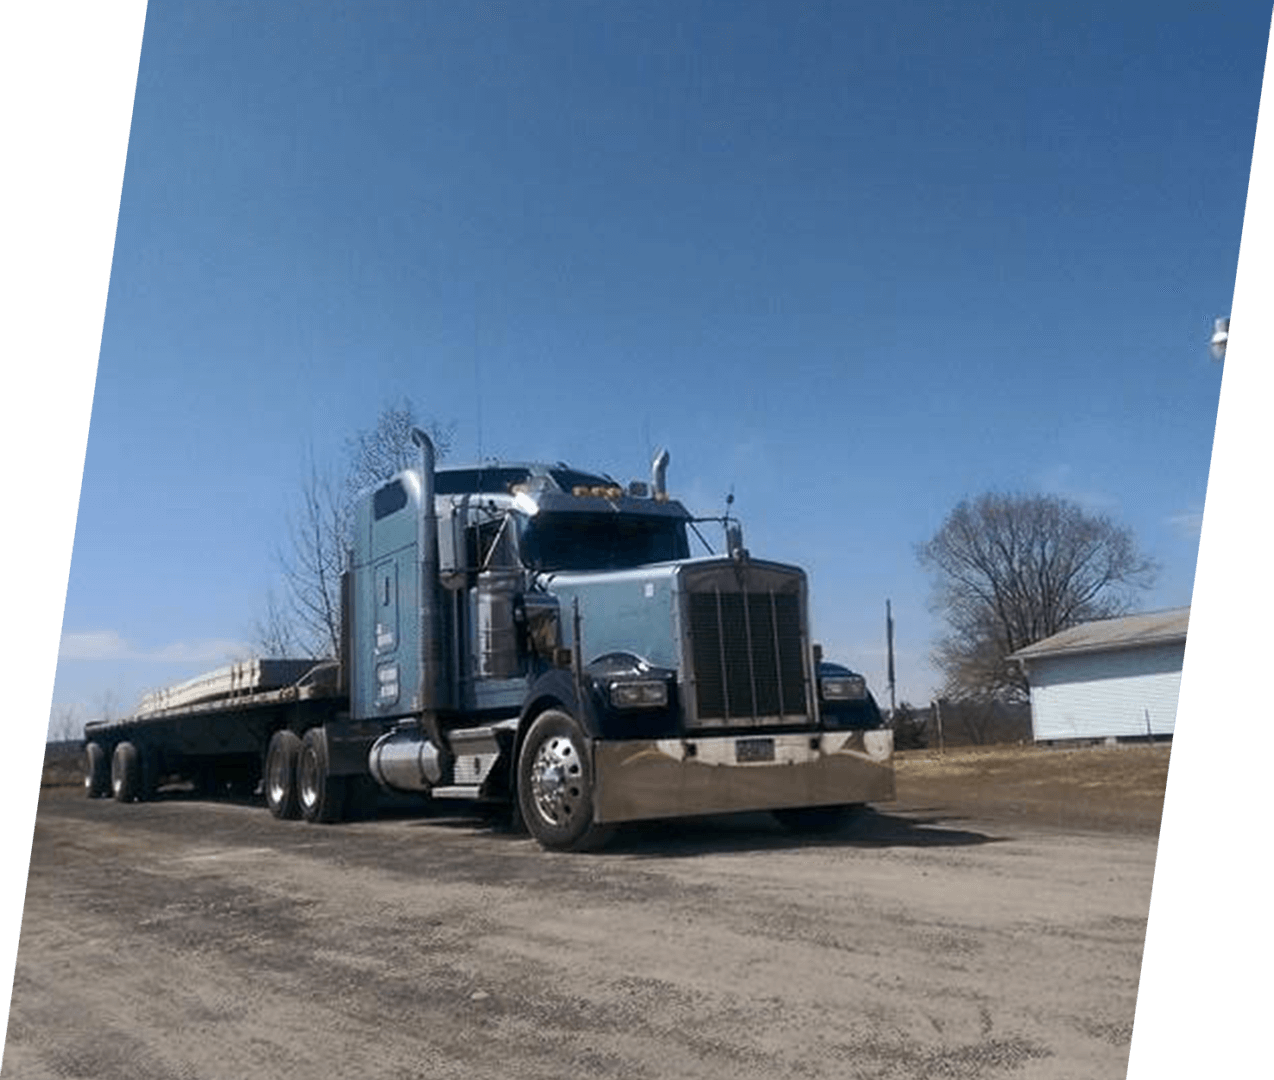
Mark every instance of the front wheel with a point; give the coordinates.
(556, 785)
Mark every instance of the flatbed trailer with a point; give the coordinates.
(216, 744)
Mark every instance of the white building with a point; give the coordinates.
(1114, 678)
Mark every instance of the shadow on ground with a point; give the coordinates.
(687, 837)
(924, 827)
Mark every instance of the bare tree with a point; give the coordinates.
(108, 706)
(306, 619)
(318, 533)
(387, 448)
(274, 633)
(909, 729)
(1010, 570)
(64, 724)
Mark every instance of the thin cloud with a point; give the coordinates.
(94, 645)
(1058, 480)
(111, 645)
(214, 650)
(1188, 524)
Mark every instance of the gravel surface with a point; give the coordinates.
(184, 939)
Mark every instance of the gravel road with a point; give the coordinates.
(207, 940)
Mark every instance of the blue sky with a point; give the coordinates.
(851, 262)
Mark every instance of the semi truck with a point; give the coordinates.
(538, 638)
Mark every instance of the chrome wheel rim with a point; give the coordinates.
(557, 780)
(307, 778)
(277, 790)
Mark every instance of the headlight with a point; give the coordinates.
(843, 688)
(646, 694)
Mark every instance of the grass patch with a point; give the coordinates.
(1119, 787)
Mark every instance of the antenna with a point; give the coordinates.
(733, 531)
(477, 390)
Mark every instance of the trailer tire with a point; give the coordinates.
(97, 771)
(556, 785)
(280, 775)
(125, 773)
(321, 795)
(815, 820)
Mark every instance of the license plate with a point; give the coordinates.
(749, 750)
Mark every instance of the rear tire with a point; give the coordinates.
(321, 795)
(125, 773)
(280, 775)
(97, 771)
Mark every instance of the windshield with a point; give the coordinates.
(495, 480)
(560, 541)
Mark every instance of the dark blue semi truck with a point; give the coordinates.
(540, 638)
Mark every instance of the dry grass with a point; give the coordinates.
(63, 765)
(1111, 787)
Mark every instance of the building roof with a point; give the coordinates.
(1106, 635)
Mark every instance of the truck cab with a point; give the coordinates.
(671, 684)
(508, 538)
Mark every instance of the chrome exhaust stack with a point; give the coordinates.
(427, 606)
(659, 475)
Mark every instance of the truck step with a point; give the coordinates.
(456, 791)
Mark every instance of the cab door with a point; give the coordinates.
(385, 641)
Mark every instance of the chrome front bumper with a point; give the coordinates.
(660, 778)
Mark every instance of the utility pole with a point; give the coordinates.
(889, 641)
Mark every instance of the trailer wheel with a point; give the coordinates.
(555, 785)
(125, 773)
(815, 820)
(280, 774)
(97, 771)
(320, 794)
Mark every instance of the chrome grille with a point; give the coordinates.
(746, 648)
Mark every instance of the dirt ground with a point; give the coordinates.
(989, 924)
